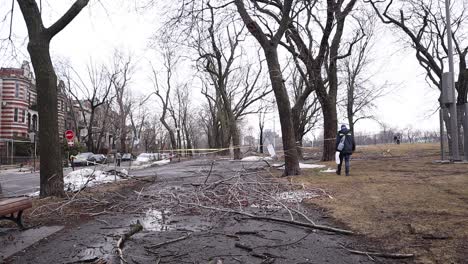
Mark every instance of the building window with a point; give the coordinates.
(34, 123)
(15, 118)
(23, 116)
(17, 89)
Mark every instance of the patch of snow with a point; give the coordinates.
(302, 166)
(161, 162)
(144, 165)
(256, 158)
(34, 194)
(76, 180)
(310, 166)
(328, 170)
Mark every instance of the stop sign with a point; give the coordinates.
(69, 134)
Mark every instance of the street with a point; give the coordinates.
(17, 183)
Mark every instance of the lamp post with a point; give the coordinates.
(453, 105)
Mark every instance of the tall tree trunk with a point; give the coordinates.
(261, 140)
(188, 140)
(350, 117)
(329, 130)
(51, 171)
(123, 136)
(235, 139)
(298, 128)
(284, 109)
(51, 175)
(171, 133)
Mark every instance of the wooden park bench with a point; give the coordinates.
(11, 206)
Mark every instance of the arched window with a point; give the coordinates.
(15, 117)
(29, 122)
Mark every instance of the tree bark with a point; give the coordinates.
(284, 109)
(329, 130)
(51, 171)
(298, 128)
(235, 140)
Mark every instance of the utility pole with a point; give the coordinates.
(453, 105)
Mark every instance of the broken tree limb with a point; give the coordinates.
(279, 220)
(170, 241)
(120, 244)
(243, 246)
(380, 254)
(209, 173)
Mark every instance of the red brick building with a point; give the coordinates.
(18, 100)
(19, 117)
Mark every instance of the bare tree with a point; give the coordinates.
(306, 113)
(170, 62)
(422, 22)
(123, 69)
(90, 95)
(261, 128)
(51, 173)
(183, 105)
(317, 55)
(269, 42)
(237, 88)
(357, 74)
(104, 119)
(138, 117)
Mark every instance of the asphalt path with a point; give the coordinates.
(20, 182)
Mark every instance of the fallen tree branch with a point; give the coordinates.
(243, 246)
(274, 219)
(209, 173)
(133, 230)
(379, 254)
(170, 241)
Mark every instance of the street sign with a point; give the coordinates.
(69, 134)
(70, 143)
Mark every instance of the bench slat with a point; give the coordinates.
(9, 206)
(12, 200)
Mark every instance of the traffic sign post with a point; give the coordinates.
(69, 135)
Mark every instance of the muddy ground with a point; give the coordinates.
(190, 214)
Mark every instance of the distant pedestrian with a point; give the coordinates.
(345, 145)
(118, 158)
(72, 163)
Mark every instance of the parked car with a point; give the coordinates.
(97, 158)
(126, 157)
(146, 157)
(82, 159)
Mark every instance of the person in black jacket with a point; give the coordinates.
(347, 151)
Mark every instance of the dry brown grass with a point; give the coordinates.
(398, 196)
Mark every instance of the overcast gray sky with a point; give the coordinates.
(99, 30)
